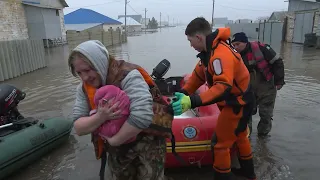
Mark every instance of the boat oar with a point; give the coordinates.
(6, 125)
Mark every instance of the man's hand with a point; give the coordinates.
(182, 104)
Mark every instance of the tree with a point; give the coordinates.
(153, 24)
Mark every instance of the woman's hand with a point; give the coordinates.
(112, 141)
(106, 111)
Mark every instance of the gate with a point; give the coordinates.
(303, 24)
(271, 33)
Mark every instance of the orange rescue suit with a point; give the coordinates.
(222, 68)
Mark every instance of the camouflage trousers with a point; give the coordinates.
(265, 96)
(143, 161)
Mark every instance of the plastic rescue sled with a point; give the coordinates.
(24, 140)
(193, 129)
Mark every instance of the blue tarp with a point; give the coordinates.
(84, 16)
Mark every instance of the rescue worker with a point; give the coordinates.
(228, 80)
(266, 77)
(144, 159)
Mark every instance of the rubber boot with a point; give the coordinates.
(264, 127)
(246, 169)
(223, 176)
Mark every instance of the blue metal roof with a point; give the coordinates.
(84, 16)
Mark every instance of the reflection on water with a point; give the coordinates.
(291, 152)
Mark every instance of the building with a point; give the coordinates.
(243, 21)
(145, 22)
(82, 19)
(220, 22)
(261, 19)
(138, 18)
(278, 16)
(230, 22)
(132, 25)
(303, 18)
(33, 19)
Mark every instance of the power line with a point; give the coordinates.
(133, 9)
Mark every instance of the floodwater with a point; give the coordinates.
(291, 152)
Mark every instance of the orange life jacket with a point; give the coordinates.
(162, 121)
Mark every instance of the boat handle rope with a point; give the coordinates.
(202, 127)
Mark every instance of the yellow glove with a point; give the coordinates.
(182, 104)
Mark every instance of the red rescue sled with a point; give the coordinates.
(193, 129)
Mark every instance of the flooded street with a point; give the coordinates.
(291, 152)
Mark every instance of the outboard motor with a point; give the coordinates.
(10, 97)
(161, 69)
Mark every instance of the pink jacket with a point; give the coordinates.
(111, 127)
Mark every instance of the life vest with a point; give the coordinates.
(256, 57)
(162, 120)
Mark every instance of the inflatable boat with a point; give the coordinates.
(193, 129)
(24, 140)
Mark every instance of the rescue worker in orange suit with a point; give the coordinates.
(267, 76)
(222, 68)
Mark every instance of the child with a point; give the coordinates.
(111, 127)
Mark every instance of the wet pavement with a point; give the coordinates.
(291, 152)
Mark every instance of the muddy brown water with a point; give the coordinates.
(291, 152)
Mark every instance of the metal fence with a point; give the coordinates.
(251, 29)
(272, 33)
(18, 57)
(108, 38)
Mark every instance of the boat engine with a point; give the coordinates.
(169, 85)
(10, 97)
(161, 69)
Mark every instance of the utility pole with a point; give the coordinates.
(145, 20)
(172, 21)
(160, 20)
(168, 21)
(125, 17)
(213, 1)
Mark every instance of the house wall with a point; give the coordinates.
(298, 5)
(106, 27)
(13, 21)
(133, 28)
(43, 23)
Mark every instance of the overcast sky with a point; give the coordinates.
(182, 10)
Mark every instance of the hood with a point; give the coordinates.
(220, 34)
(97, 54)
(223, 34)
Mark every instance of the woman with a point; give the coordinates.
(144, 160)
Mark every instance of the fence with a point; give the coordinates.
(249, 28)
(272, 33)
(108, 38)
(18, 57)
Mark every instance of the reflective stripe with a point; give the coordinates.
(274, 59)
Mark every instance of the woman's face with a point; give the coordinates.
(87, 74)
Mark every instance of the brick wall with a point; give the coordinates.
(290, 27)
(13, 21)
